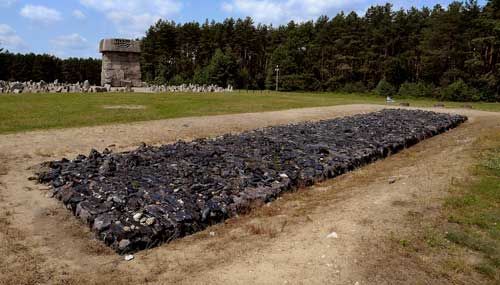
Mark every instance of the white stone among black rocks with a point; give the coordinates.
(332, 235)
(139, 199)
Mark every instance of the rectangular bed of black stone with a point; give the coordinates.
(139, 199)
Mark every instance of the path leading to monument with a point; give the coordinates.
(283, 242)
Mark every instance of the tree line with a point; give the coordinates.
(36, 67)
(452, 53)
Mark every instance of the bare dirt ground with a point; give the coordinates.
(284, 242)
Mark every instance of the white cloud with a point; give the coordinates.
(40, 13)
(79, 14)
(9, 38)
(227, 7)
(280, 11)
(72, 41)
(133, 17)
(7, 3)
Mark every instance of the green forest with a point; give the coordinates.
(36, 67)
(449, 53)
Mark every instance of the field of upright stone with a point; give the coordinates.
(7, 87)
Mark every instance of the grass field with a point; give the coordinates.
(474, 210)
(464, 239)
(27, 112)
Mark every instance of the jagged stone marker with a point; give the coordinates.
(120, 62)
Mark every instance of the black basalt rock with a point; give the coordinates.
(139, 199)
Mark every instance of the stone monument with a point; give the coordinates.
(120, 62)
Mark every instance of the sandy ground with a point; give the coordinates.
(284, 242)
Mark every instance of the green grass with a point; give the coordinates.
(462, 242)
(475, 212)
(27, 112)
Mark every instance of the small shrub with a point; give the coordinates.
(200, 76)
(459, 91)
(262, 230)
(334, 83)
(385, 88)
(296, 82)
(292, 82)
(415, 90)
(176, 80)
(159, 80)
(353, 87)
(486, 269)
(404, 242)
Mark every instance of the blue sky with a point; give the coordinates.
(74, 27)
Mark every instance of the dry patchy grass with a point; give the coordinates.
(461, 242)
(19, 264)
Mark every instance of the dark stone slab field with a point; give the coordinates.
(139, 199)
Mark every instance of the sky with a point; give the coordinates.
(73, 28)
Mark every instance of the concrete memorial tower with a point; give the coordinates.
(120, 62)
